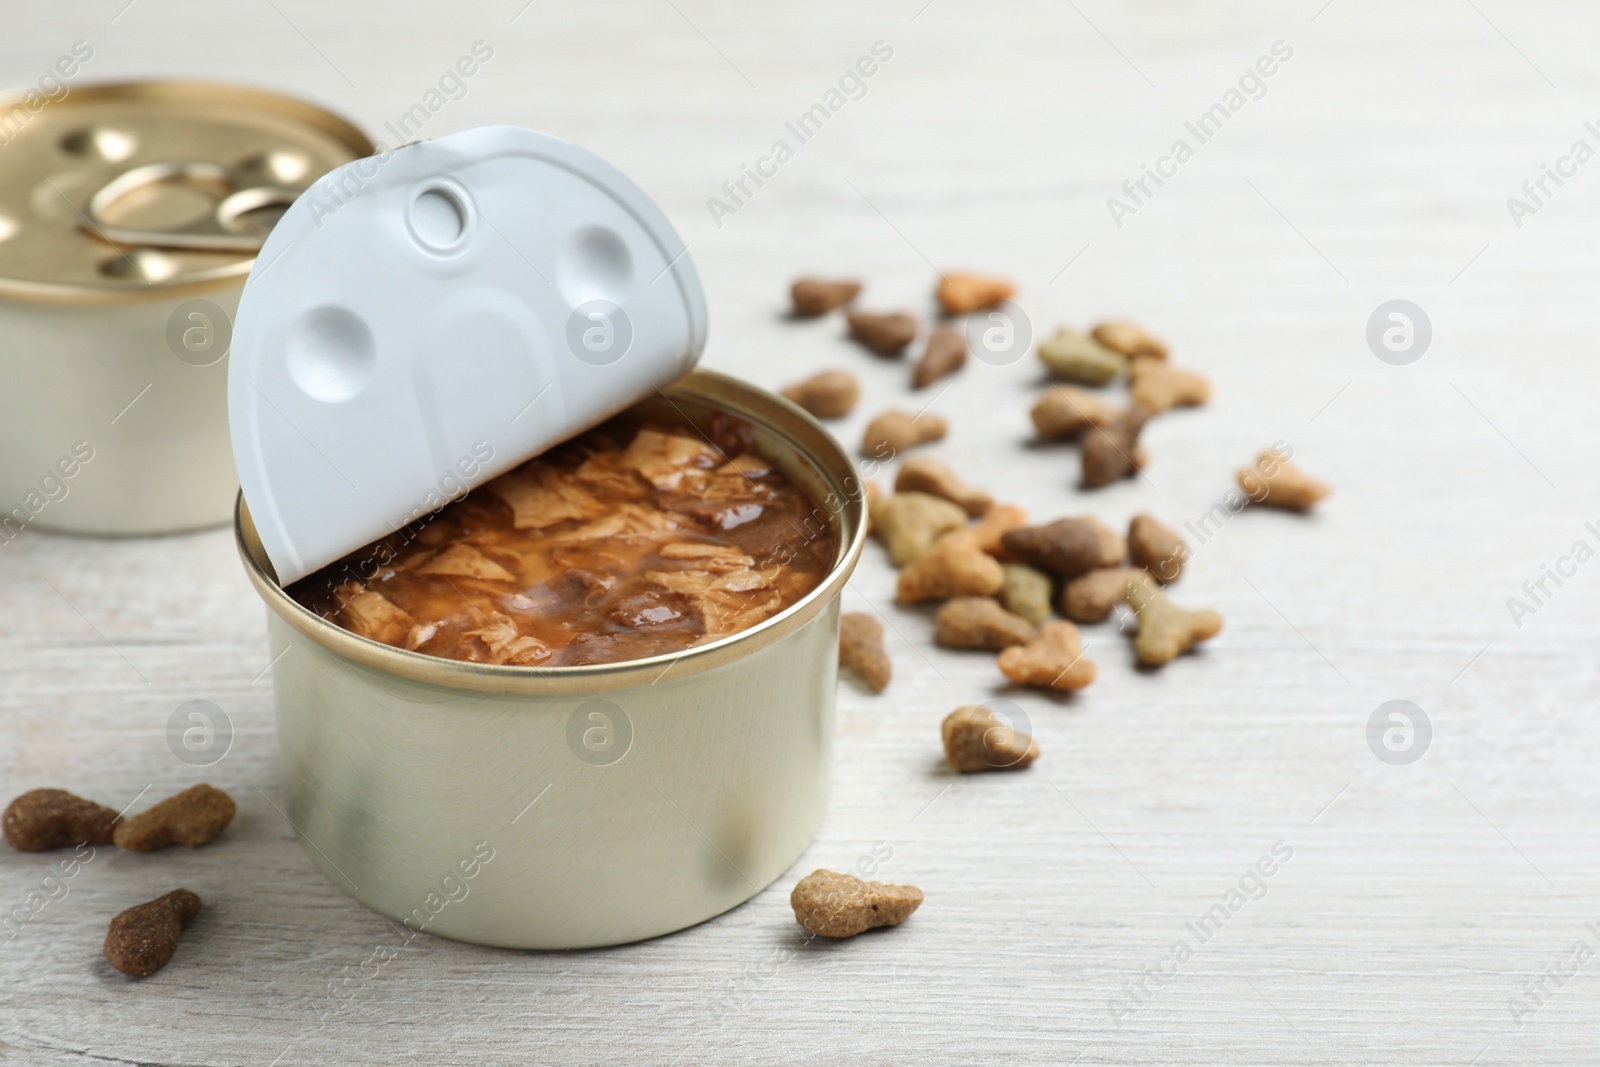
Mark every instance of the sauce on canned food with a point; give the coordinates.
(638, 538)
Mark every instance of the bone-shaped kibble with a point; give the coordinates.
(924, 474)
(194, 817)
(1129, 339)
(894, 432)
(1166, 631)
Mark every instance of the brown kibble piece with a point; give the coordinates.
(977, 738)
(954, 566)
(887, 335)
(1155, 547)
(861, 649)
(42, 819)
(909, 523)
(1026, 592)
(1112, 452)
(924, 474)
(946, 353)
(141, 940)
(980, 622)
(1067, 411)
(961, 293)
(830, 904)
(1276, 482)
(1090, 597)
(1166, 631)
(831, 394)
(1053, 660)
(894, 432)
(1156, 385)
(1129, 339)
(814, 296)
(194, 817)
(1067, 547)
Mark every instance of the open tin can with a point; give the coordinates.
(571, 807)
(491, 294)
(130, 215)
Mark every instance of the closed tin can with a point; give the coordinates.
(130, 215)
(571, 807)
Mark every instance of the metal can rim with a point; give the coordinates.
(53, 293)
(811, 441)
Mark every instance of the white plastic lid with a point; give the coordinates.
(424, 320)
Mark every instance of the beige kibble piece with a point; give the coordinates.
(831, 394)
(197, 816)
(1166, 631)
(954, 566)
(924, 474)
(1066, 411)
(861, 649)
(1277, 483)
(909, 523)
(1129, 339)
(946, 353)
(1053, 660)
(1079, 358)
(961, 293)
(980, 622)
(1156, 547)
(1026, 592)
(1157, 385)
(1067, 547)
(141, 940)
(818, 296)
(978, 739)
(44, 819)
(894, 432)
(1112, 452)
(1091, 597)
(887, 335)
(830, 904)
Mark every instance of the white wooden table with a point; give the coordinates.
(1419, 899)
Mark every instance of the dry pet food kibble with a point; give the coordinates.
(1067, 547)
(978, 739)
(954, 566)
(42, 819)
(1091, 597)
(814, 296)
(1156, 548)
(946, 354)
(141, 940)
(923, 474)
(1156, 385)
(909, 523)
(831, 394)
(830, 904)
(1166, 631)
(1276, 482)
(894, 432)
(887, 335)
(1053, 660)
(995, 524)
(960, 293)
(1026, 593)
(1066, 411)
(1130, 339)
(1112, 452)
(194, 817)
(1077, 358)
(980, 622)
(861, 649)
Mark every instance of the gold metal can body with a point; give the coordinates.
(129, 217)
(581, 806)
